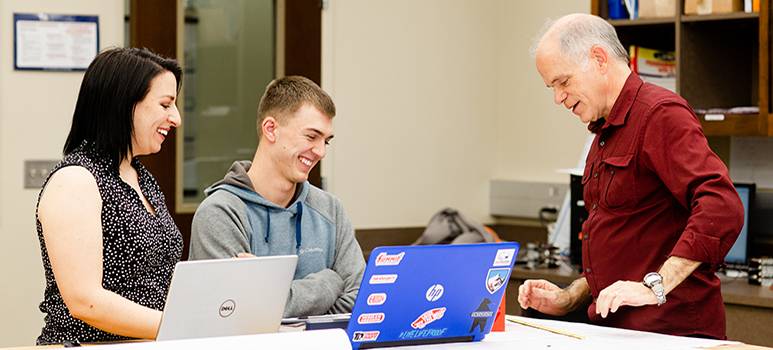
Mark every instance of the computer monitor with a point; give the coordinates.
(738, 254)
(578, 215)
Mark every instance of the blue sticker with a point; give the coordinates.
(496, 278)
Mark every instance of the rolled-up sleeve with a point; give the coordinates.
(677, 151)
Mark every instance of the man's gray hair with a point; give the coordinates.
(579, 32)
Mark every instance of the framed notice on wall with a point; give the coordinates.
(54, 42)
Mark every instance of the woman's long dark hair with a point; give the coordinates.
(114, 83)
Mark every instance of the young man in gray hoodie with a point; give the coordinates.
(267, 206)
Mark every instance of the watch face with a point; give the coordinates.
(652, 278)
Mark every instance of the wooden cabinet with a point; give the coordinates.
(723, 61)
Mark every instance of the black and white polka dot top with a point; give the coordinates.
(139, 254)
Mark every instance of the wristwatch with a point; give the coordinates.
(654, 281)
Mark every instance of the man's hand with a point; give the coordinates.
(245, 255)
(544, 297)
(624, 293)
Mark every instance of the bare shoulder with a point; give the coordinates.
(72, 175)
(70, 188)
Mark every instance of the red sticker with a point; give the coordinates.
(377, 299)
(428, 317)
(384, 259)
(365, 336)
(372, 318)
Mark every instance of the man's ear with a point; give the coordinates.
(268, 128)
(599, 58)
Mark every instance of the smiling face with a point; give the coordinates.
(580, 89)
(156, 115)
(298, 142)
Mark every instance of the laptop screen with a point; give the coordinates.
(430, 294)
(213, 298)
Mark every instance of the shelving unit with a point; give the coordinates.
(719, 17)
(723, 61)
(642, 21)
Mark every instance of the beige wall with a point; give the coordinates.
(534, 136)
(435, 98)
(35, 114)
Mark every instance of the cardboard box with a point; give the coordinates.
(707, 7)
(657, 8)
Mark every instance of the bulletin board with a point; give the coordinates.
(54, 42)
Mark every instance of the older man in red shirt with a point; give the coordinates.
(663, 212)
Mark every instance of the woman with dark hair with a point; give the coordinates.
(108, 243)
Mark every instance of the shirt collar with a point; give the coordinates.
(622, 105)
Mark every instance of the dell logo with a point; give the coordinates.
(227, 308)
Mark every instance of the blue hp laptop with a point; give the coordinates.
(430, 294)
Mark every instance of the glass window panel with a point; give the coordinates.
(229, 58)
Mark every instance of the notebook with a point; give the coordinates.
(430, 294)
(211, 298)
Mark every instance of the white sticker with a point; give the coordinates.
(365, 336)
(383, 279)
(384, 259)
(496, 278)
(434, 292)
(504, 257)
(377, 299)
(428, 317)
(714, 117)
(372, 318)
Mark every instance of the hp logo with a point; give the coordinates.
(227, 308)
(434, 292)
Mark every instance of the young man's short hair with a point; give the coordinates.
(284, 96)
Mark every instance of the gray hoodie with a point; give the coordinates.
(235, 219)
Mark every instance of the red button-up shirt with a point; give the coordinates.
(654, 189)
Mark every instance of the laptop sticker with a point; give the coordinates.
(372, 318)
(423, 333)
(385, 259)
(383, 279)
(428, 317)
(365, 336)
(377, 299)
(496, 279)
(434, 292)
(504, 257)
(481, 315)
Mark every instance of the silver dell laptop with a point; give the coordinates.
(213, 298)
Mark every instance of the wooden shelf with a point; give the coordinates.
(721, 17)
(642, 21)
(721, 60)
(733, 124)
